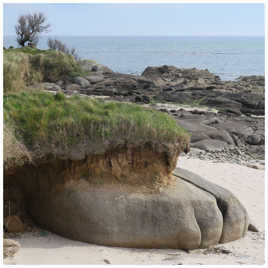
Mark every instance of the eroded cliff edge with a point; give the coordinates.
(101, 172)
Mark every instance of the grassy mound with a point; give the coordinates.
(56, 124)
(26, 66)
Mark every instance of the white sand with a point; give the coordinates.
(246, 183)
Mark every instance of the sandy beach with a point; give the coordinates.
(246, 183)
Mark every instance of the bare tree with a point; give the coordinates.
(29, 27)
(58, 45)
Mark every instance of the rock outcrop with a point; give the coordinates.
(130, 199)
(216, 131)
(237, 101)
(237, 123)
(102, 182)
(170, 84)
(184, 78)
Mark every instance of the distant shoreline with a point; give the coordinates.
(205, 36)
(226, 56)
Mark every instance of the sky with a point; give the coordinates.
(144, 19)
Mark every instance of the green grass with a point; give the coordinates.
(27, 66)
(27, 50)
(57, 123)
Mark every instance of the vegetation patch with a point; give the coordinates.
(15, 152)
(26, 66)
(56, 124)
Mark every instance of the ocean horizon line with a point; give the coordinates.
(70, 35)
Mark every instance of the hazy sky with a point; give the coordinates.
(144, 19)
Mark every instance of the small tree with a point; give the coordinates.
(58, 45)
(29, 27)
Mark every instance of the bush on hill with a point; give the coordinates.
(27, 66)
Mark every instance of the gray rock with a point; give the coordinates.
(252, 227)
(235, 216)
(72, 87)
(224, 103)
(101, 69)
(81, 81)
(104, 91)
(185, 78)
(180, 217)
(91, 66)
(51, 86)
(192, 213)
(60, 83)
(94, 68)
(254, 139)
(210, 145)
(93, 79)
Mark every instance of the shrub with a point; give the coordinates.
(59, 46)
(55, 65)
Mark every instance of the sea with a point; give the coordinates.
(228, 57)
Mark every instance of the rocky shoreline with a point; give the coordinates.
(220, 137)
(226, 123)
(225, 118)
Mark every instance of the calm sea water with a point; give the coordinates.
(228, 57)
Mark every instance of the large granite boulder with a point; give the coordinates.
(181, 216)
(109, 201)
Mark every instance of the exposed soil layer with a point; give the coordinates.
(134, 167)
